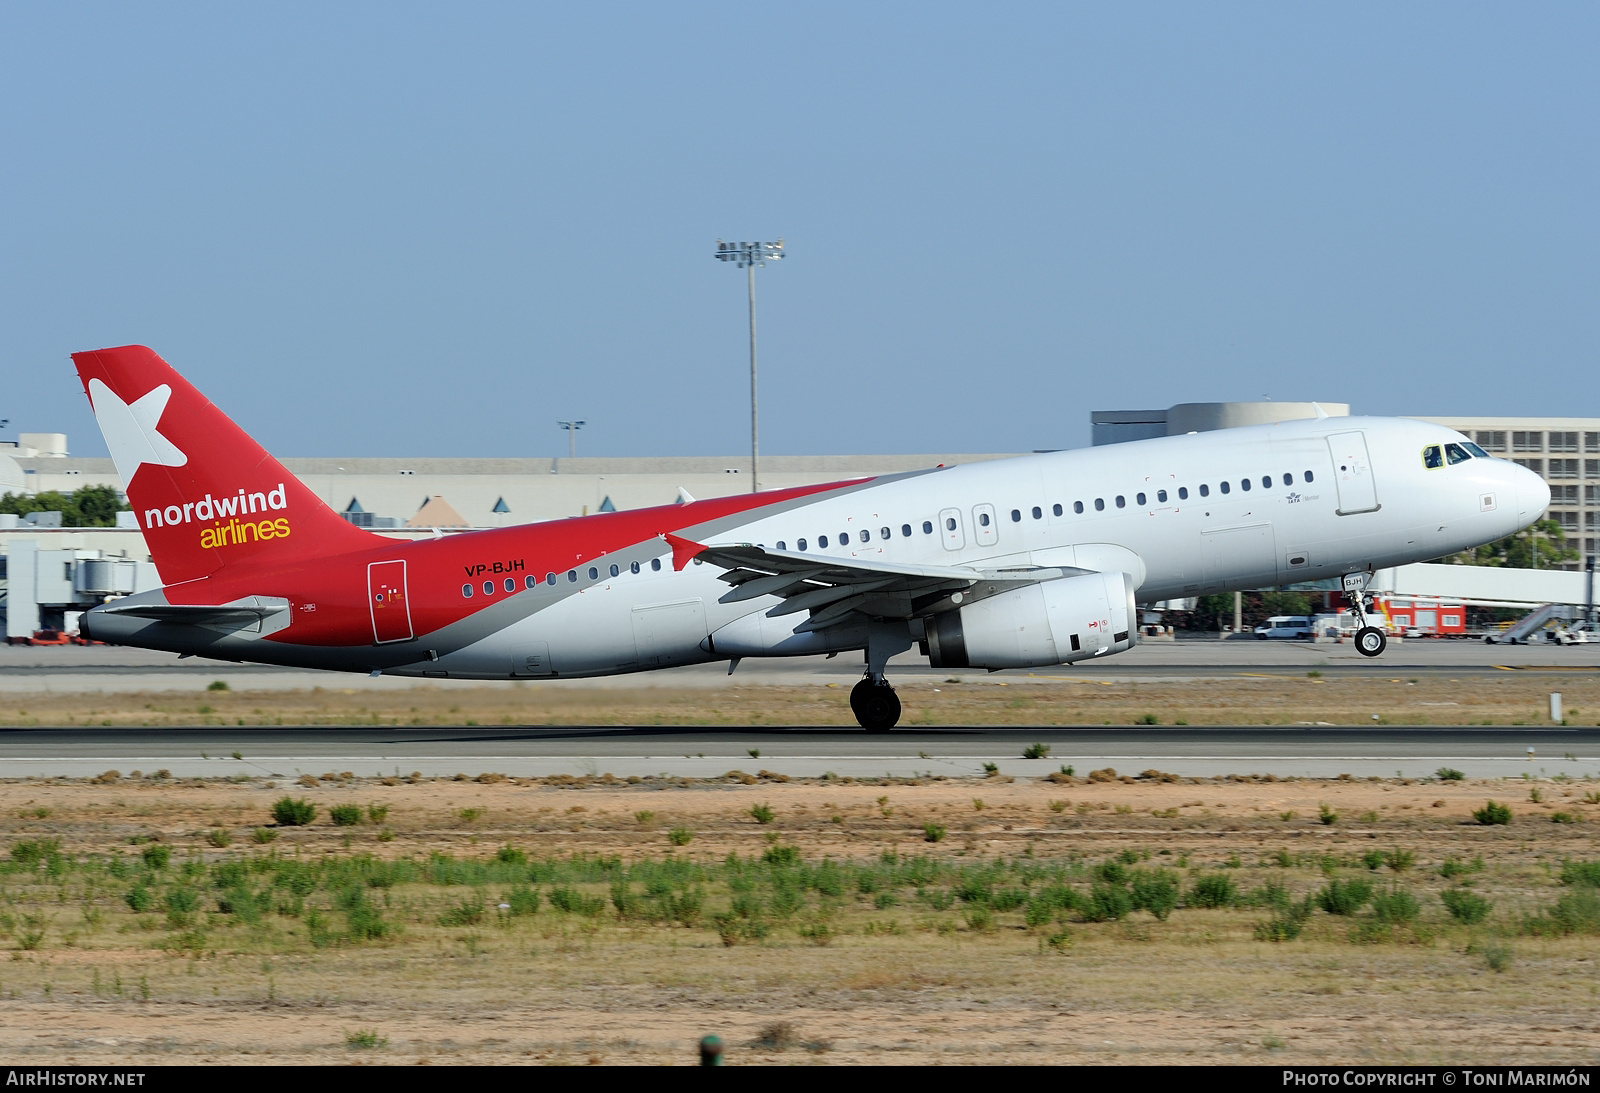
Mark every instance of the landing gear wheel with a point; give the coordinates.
(1370, 641)
(876, 706)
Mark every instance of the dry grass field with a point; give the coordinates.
(590, 921)
(1503, 698)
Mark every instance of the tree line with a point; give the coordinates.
(89, 507)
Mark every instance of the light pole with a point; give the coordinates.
(571, 428)
(748, 256)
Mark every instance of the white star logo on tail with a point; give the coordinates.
(131, 432)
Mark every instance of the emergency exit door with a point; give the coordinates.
(386, 596)
(950, 529)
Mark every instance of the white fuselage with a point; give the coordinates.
(1183, 516)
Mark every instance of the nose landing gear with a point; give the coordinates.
(1370, 640)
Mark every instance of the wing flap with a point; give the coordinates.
(753, 585)
(836, 589)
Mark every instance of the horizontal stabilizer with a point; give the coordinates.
(246, 614)
(192, 614)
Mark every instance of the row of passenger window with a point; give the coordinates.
(1120, 500)
(866, 536)
(530, 581)
(1204, 490)
(886, 532)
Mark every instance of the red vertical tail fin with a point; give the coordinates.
(204, 493)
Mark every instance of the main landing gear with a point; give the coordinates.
(873, 701)
(875, 704)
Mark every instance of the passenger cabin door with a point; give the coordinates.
(1352, 471)
(386, 595)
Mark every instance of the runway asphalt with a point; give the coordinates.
(805, 751)
(1310, 751)
(109, 669)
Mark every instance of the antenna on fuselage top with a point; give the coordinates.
(1322, 415)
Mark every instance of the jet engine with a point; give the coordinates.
(1055, 622)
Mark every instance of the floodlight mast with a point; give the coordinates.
(748, 256)
(571, 428)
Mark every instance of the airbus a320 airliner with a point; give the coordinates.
(1016, 563)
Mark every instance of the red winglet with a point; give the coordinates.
(683, 550)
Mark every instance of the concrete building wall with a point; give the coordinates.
(1203, 417)
(533, 489)
(22, 608)
(1120, 426)
(12, 480)
(43, 445)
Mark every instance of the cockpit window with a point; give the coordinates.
(1475, 450)
(1432, 457)
(1455, 453)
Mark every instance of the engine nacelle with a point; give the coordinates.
(1055, 622)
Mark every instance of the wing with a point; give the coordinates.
(834, 589)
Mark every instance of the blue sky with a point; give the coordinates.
(404, 229)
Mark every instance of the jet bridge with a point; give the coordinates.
(1484, 586)
(1554, 595)
(46, 588)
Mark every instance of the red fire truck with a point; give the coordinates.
(1423, 617)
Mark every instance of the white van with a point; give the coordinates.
(1285, 626)
(1578, 633)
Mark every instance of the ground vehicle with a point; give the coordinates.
(1537, 627)
(46, 637)
(1424, 617)
(1293, 627)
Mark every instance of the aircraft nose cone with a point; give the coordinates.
(1533, 495)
